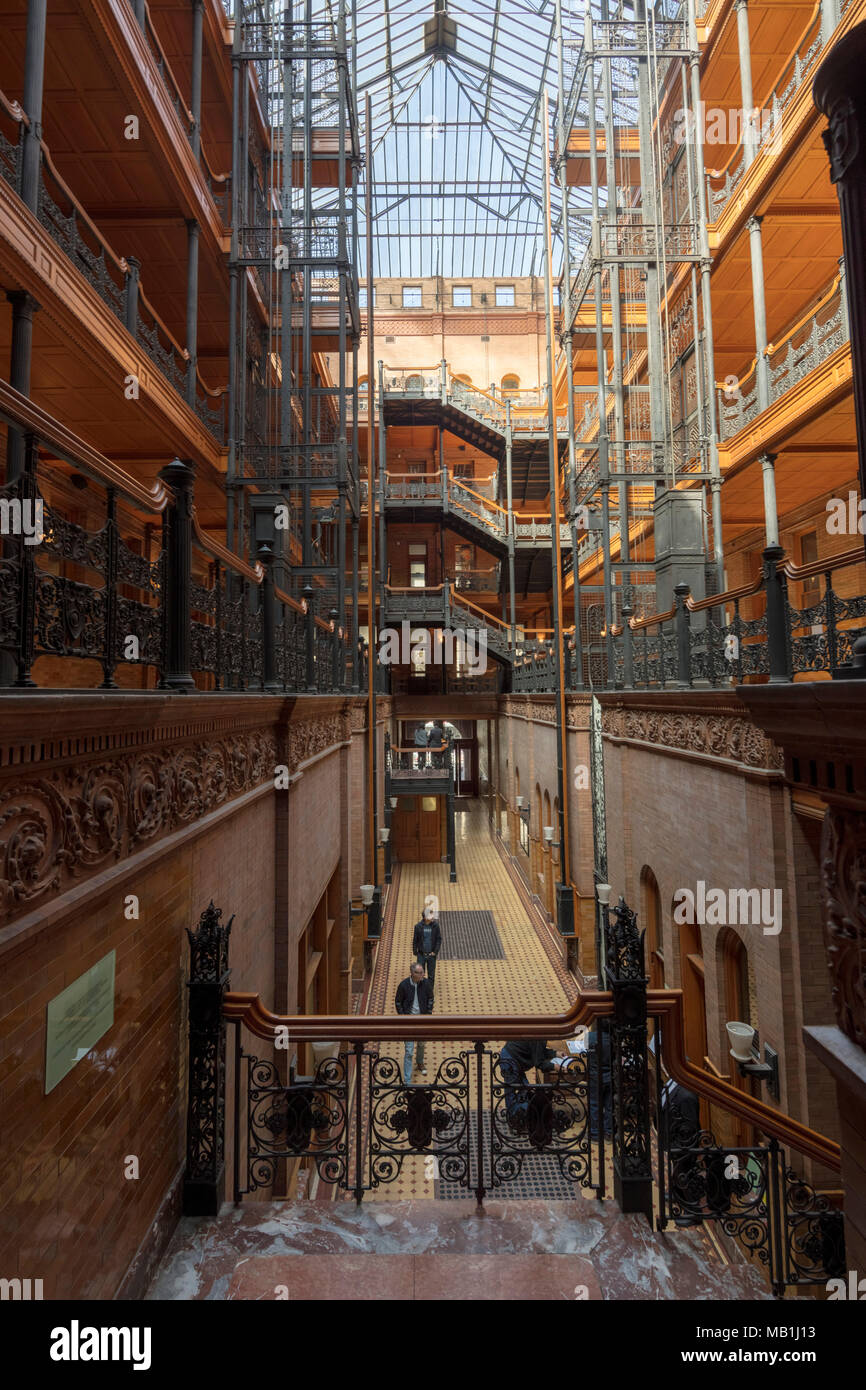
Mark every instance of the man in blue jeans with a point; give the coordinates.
(414, 996)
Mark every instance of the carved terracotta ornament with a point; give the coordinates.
(843, 869)
(841, 138)
(73, 820)
(719, 735)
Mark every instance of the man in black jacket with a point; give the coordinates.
(515, 1060)
(427, 942)
(414, 996)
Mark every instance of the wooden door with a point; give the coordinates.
(429, 829)
(416, 830)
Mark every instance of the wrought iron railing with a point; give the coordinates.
(803, 348)
(185, 607)
(768, 127)
(481, 1123)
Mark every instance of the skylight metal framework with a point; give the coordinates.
(456, 95)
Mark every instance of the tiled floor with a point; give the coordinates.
(524, 982)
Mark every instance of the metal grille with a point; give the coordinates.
(469, 936)
(539, 1178)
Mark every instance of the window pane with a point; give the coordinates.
(411, 296)
(418, 574)
(461, 296)
(505, 296)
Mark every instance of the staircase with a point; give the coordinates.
(444, 1250)
(435, 397)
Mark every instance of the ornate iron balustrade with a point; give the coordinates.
(185, 605)
(115, 280)
(711, 642)
(799, 66)
(480, 1123)
(77, 593)
(793, 1232)
(477, 581)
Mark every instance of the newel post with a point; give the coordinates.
(206, 1104)
(627, 981)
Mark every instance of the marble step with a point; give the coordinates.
(428, 1249)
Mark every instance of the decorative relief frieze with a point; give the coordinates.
(843, 870)
(75, 819)
(718, 735)
(312, 737)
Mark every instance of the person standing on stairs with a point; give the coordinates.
(414, 996)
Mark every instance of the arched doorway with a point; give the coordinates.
(652, 916)
(740, 1006)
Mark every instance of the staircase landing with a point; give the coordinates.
(443, 1250)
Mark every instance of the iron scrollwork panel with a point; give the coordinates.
(550, 1118)
(732, 1186)
(424, 1120)
(307, 1119)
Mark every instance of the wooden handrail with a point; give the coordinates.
(282, 597)
(636, 624)
(728, 596)
(14, 110)
(488, 617)
(254, 573)
(174, 82)
(81, 212)
(798, 573)
(488, 501)
(590, 1005)
(215, 391)
(414, 747)
(717, 173)
(143, 299)
(21, 412)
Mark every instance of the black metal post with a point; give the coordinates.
(24, 306)
(130, 295)
(109, 658)
(627, 650)
(180, 477)
(336, 643)
(205, 1123)
(681, 622)
(775, 588)
(627, 981)
(195, 77)
(309, 596)
(192, 229)
(31, 100)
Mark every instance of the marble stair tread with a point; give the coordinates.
(409, 1278)
(629, 1259)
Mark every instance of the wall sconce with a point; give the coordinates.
(518, 801)
(603, 892)
(384, 834)
(393, 803)
(549, 840)
(741, 1036)
(371, 908)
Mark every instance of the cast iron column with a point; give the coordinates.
(31, 100)
(24, 306)
(192, 229)
(840, 94)
(180, 477)
(759, 305)
(195, 77)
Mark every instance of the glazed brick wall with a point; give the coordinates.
(687, 820)
(69, 1216)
